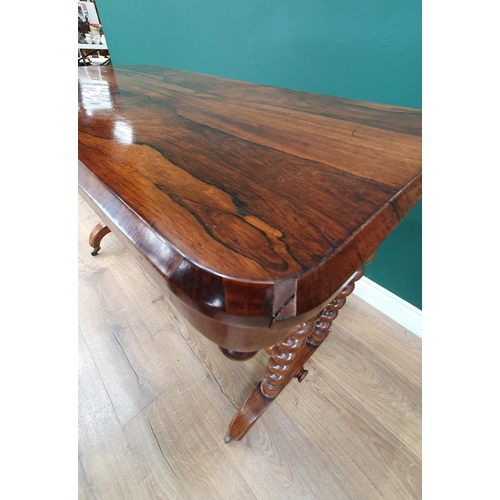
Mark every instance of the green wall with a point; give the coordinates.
(360, 49)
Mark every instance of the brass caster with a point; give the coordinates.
(301, 375)
(228, 439)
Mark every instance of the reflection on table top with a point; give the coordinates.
(279, 195)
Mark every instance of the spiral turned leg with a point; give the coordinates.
(330, 312)
(280, 370)
(287, 361)
(283, 355)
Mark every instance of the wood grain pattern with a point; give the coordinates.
(100, 438)
(399, 399)
(356, 442)
(250, 208)
(320, 440)
(403, 352)
(185, 447)
(266, 199)
(175, 276)
(121, 346)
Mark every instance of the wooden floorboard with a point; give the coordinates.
(106, 467)
(156, 398)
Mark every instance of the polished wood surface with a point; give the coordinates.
(287, 362)
(231, 332)
(96, 236)
(156, 397)
(254, 204)
(254, 209)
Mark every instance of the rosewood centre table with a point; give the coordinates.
(253, 208)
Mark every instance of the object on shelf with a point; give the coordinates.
(91, 37)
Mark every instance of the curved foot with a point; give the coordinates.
(287, 357)
(96, 235)
(287, 362)
(255, 405)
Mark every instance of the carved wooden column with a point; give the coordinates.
(282, 358)
(279, 371)
(287, 361)
(330, 312)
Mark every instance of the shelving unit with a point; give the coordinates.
(87, 51)
(90, 30)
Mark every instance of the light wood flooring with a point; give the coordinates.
(156, 398)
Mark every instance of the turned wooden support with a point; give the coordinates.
(330, 312)
(282, 358)
(97, 235)
(280, 370)
(324, 322)
(287, 361)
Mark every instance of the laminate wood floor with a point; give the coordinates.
(156, 398)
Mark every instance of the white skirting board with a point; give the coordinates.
(391, 305)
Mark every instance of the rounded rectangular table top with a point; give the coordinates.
(267, 199)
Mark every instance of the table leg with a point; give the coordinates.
(287, 362)
(97, 235)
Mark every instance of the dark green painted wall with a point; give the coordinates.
(360, 49)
